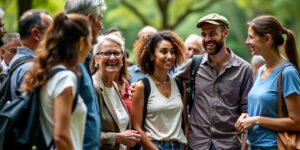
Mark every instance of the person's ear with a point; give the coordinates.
(90, 17)
(225, 32)
(35, 34)
(2, 51)
(268, 39)
(81, 43)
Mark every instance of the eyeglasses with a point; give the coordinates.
(107, 54)
(13, 50)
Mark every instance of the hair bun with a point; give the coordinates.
(284, 30)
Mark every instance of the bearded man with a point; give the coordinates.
(222, 84)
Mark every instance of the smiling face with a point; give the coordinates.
(255, 42)
(194, 48)
(213, 38)
(164, 56)
(109, 58)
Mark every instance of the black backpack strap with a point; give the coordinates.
(19, 62)
(196, 60)
(179, 85)
(147, 90)
(76, 94)
(5, 85)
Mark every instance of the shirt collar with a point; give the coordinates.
(25, 51)
(232, 62)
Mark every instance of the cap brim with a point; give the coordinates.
(208, 21)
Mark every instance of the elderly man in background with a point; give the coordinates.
(193, 45)
(9, 49)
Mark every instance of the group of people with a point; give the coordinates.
(229, 99)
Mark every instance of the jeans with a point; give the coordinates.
(167, 145)
(212, 147)
(262, 148)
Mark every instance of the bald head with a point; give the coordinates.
(193, 45)
(148, 30)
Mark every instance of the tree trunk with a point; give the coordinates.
(24, 5)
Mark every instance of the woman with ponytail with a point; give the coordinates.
(265, 38)
(65, 45)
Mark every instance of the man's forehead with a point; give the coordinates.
(210, 28)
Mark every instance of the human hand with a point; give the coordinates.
(128, 138)
(132, 85)
(246, 123)
(242, 116)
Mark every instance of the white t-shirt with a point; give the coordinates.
(53, 88)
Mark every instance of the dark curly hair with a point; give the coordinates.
(145, 46)
(59, 46)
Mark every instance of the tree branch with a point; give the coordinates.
(163, 6)
(192, 10)
(144, 20)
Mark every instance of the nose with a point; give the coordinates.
(206, 38)
(247, 41)
(112, 56)
(3, 30)
(169, 54)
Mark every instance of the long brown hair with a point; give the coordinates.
(270, 25)
(59, 46)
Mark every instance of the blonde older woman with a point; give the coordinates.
(116, 133)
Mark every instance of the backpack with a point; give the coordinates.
(20, 126)
(196, 60)
(6, 78)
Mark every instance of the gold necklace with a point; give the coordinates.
(161, 82)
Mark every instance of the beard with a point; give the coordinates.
(219, 44)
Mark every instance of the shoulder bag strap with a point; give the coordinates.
(279, 95)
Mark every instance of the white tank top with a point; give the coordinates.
(164, 117)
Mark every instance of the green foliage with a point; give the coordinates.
(119, 15)
(53, 6)
(10, 19)
(285, 10)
